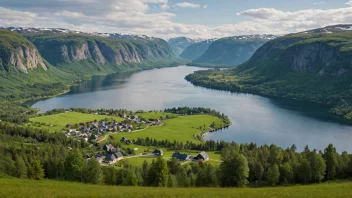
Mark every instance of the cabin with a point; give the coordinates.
(202, 156)
(158, 152)
(180, 157)
(109, 148)
(113, 157)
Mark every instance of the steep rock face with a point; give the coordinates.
(307, 53)
(26, 58)
(18, 54)
(97, 50)
(317, 58)
(232, 51)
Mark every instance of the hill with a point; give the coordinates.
(196, 49)
(40, 62)
(179, 44)
(29, 188)
(313, 65)
(231, 51)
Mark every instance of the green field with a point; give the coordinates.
(156, 115)
(13, 188)
(59, 121)
(214, 156)
(181, 128)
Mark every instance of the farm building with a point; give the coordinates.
(202, 156)
(158, 152)
(113, 157)
(181, 157)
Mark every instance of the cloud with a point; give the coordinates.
(187, 5)
(137, 17)
(205, 6)
(319, 3)
(277, 21)
(164, 7)
(349, 3)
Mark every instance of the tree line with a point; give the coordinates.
(33, 153)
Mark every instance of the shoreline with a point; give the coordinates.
(32, 101)
(336, 118)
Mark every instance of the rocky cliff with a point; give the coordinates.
(314, 65)
(313, 52)
(18, 54)
(75, 51)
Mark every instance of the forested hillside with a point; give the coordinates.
(31, 152)
(196, 49)
(37, 63)
(313, 65)
(231, 51)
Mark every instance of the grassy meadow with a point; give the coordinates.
(59, 121)
(181, 128)
(156, 115)
(16, 188)
(215, 157)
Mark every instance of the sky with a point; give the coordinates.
(173, 18)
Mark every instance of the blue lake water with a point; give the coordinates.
(254, 118)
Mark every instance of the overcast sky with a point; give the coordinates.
(171, 18)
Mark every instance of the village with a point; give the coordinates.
(92, 131)
(110, 155)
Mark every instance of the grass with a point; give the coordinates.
(177, 129)
(155, 115)
(16, 188)
(59, 121)
(215, 156)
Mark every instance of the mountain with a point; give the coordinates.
(196, 49)
(18, 54)
(315, 65)
(38, 62)
(231, 51)
(179, 44)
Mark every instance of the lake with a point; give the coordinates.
(254, 118)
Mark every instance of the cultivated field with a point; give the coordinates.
(156, 115)
(181, 128)
(15, 188)
(59, 121)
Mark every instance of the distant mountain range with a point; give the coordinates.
(196, 49)
(230, 51)
(179, 44)
(314, 65)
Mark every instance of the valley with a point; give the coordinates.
(122, 109)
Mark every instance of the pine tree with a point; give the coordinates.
(21, 168)
(330, 157)
(273, 175)
(93, 172)
(159, 173)
(234, 170)
(38, 171)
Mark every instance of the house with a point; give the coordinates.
(202, 156)
(109, 148)
(181, 157)
(113, 157)
(158, 152)
(98, 157)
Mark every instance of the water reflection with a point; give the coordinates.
(255, 119)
